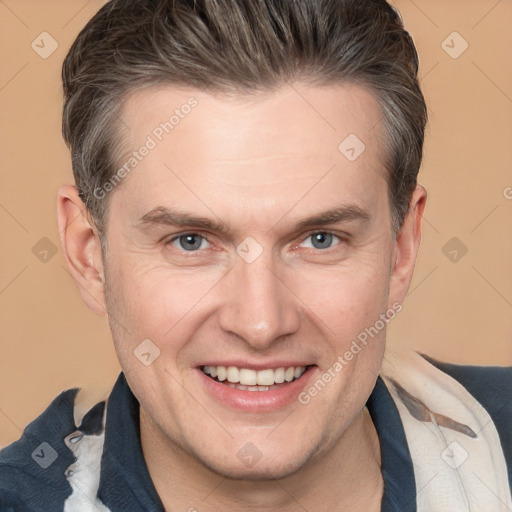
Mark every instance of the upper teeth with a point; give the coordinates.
(248, 377)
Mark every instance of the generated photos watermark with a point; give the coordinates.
(156, 136)
(343, 360)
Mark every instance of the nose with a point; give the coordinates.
(258, 306)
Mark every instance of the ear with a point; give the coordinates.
(81, 247)
(406, 248)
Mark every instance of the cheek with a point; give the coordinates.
(346, 299)
(156, 302)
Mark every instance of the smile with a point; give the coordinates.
(246, 379)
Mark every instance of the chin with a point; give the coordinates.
(258, 468)
(260, 473)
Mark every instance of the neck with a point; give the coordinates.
(347, 477)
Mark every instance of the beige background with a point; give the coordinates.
(456, 311)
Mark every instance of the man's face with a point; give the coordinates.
(266, 292)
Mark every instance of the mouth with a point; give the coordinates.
(246, 379)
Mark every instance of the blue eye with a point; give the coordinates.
(189, 242)
(321, 240)
(193, 242)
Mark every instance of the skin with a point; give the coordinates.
(257, 164)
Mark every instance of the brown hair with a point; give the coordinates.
(238, 46)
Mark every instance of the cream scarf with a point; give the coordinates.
(459, 465)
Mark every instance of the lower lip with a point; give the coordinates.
(256, 401)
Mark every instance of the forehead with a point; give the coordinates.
(255, 149)
(317, 116)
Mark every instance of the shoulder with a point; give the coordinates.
(492, 388)
(32, 468)
(490, 385)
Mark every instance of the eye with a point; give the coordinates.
(321, 240)
(189, 242)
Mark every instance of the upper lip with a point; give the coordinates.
(257, 366)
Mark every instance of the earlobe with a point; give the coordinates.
(81, 247)
(406, 247)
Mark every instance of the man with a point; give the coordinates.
(246, 213)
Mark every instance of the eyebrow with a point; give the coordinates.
(162, 215)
